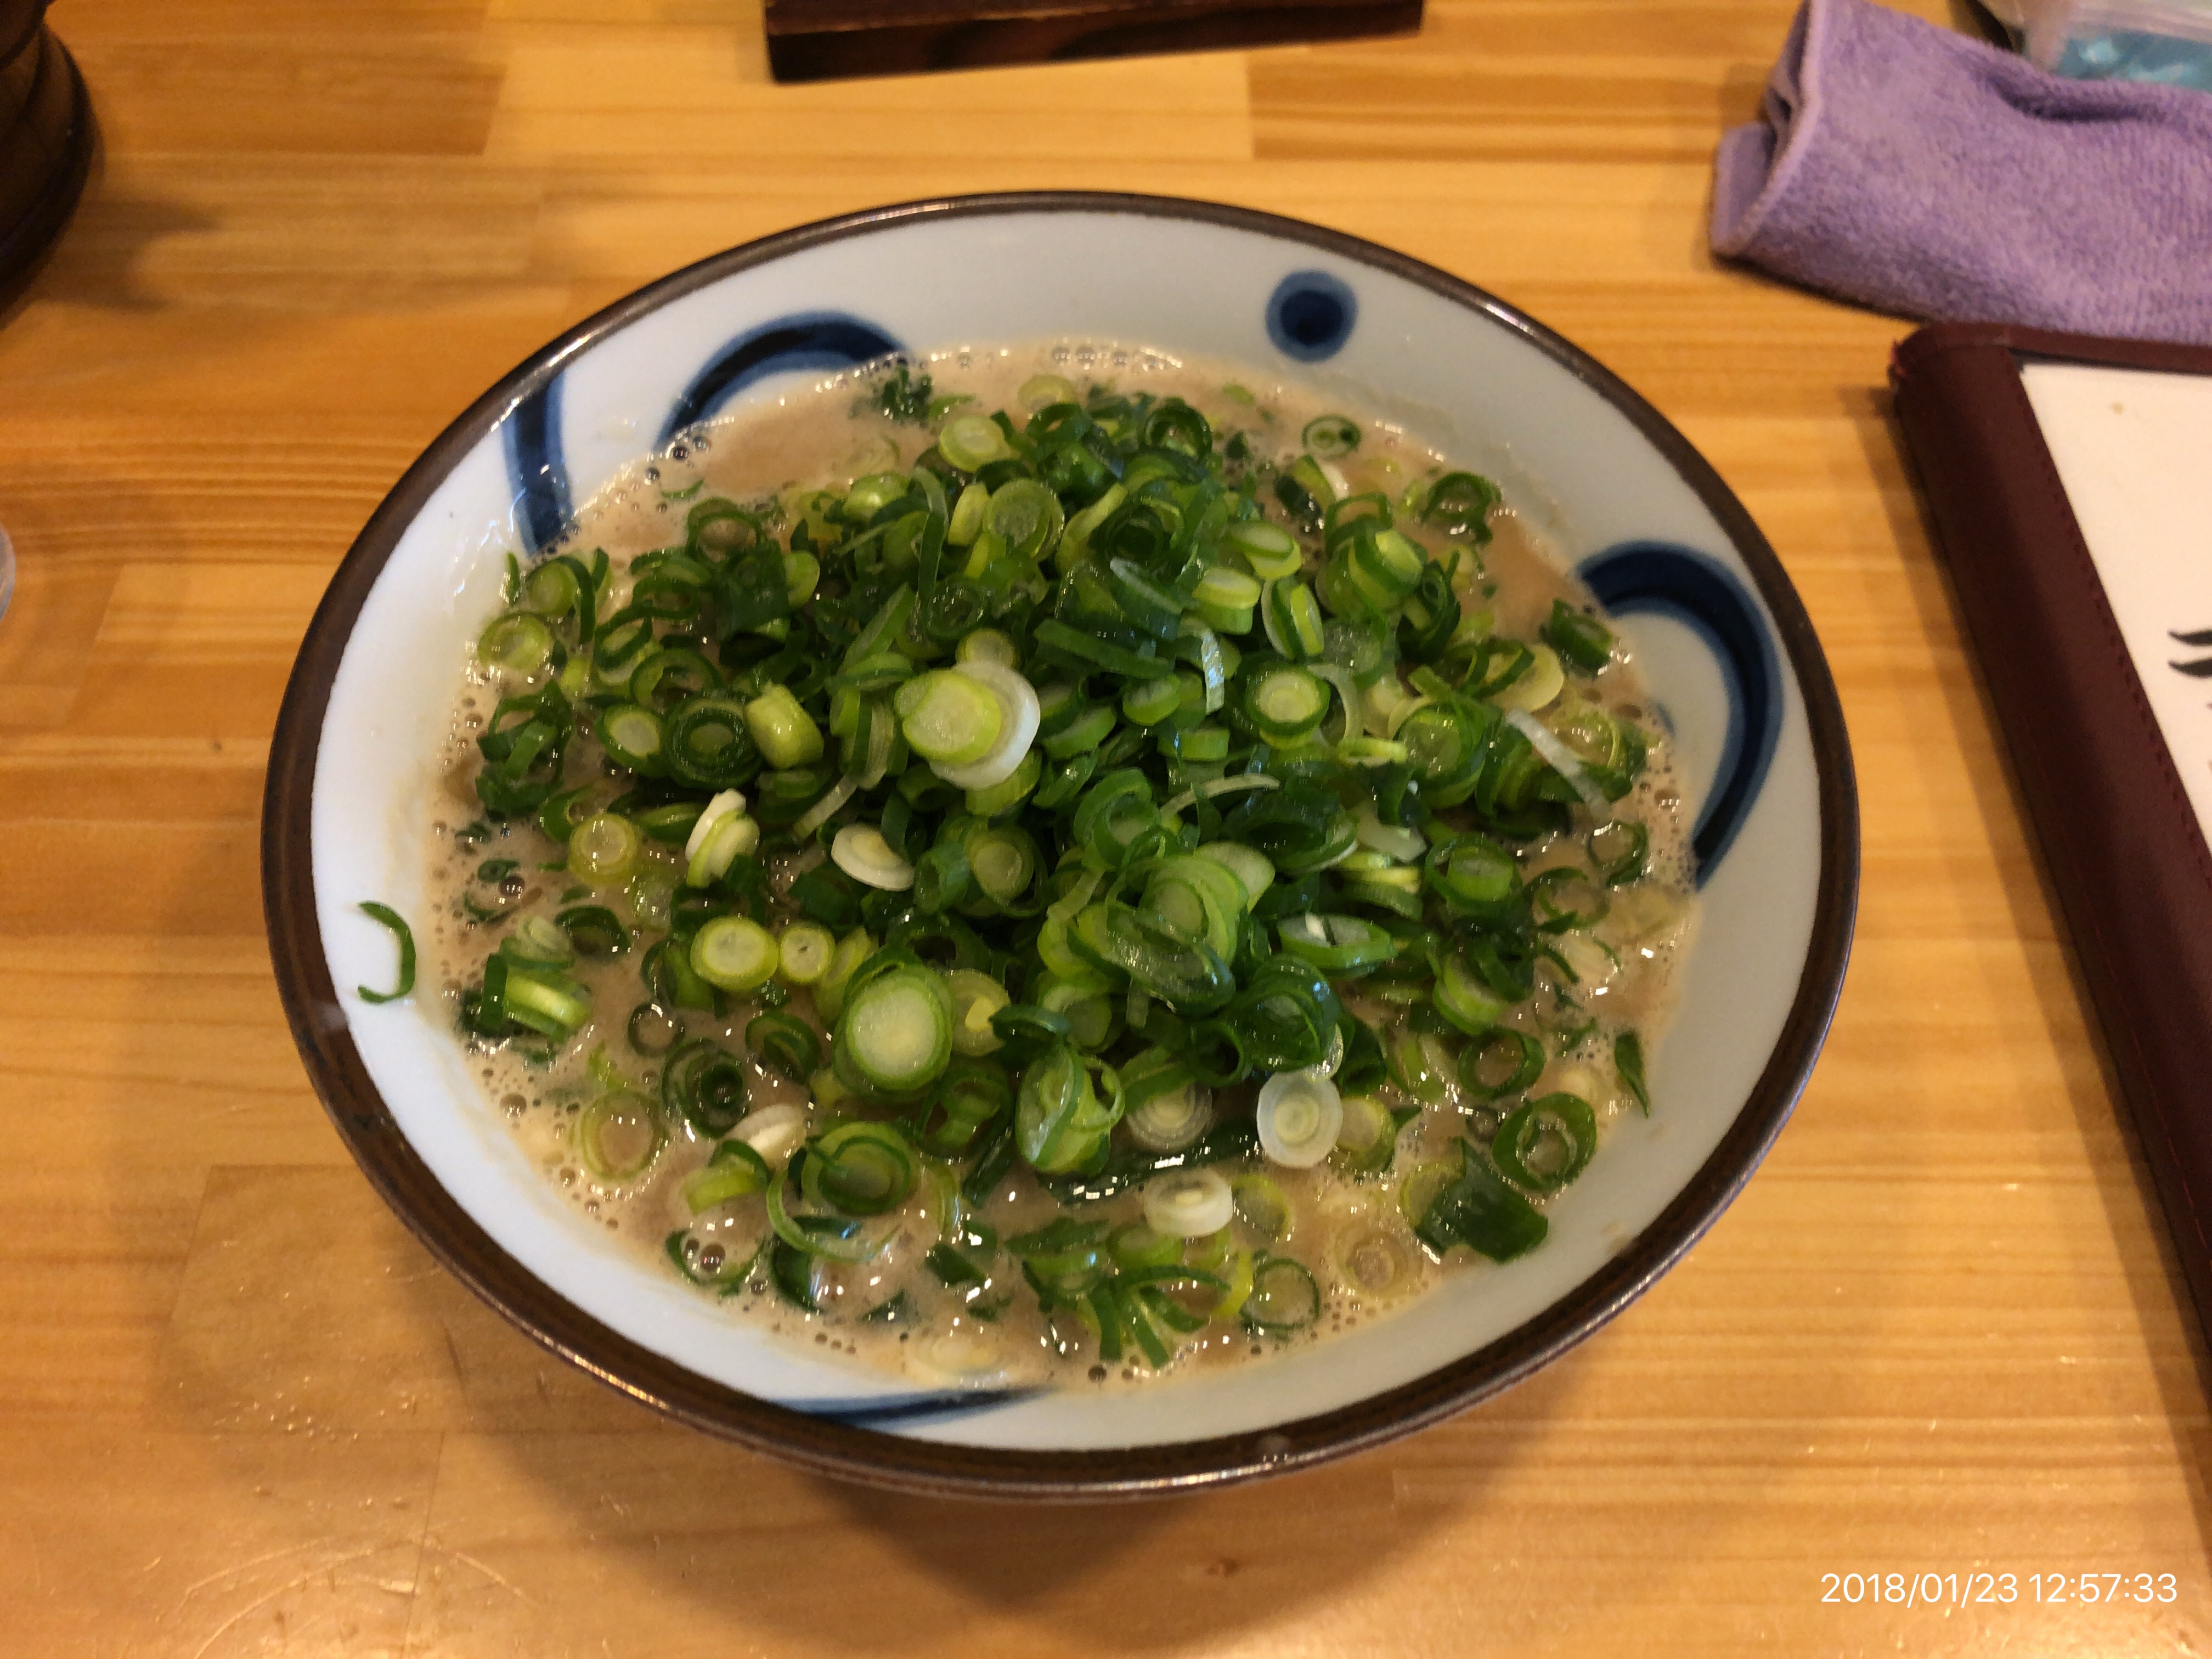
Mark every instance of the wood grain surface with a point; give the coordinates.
(242, 1414)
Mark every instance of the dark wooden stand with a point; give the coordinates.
(824, 39)
(46, 138)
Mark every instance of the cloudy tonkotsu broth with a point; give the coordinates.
(1310, 838)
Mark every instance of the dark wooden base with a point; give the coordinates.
(45, 145)
(825, 40)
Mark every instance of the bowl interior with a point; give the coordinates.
(1723, 645)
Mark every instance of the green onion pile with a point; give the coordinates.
(1086, 777)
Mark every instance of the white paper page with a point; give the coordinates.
(2134, 450)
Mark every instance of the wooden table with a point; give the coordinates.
(241, 1411)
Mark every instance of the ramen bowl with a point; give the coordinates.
(1722, 640)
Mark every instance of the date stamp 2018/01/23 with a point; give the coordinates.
(1982, 1588)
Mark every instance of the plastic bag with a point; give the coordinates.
(2168, 41)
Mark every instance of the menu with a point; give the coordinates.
(2067, 478)
(2133, 448)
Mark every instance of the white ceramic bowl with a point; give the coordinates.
(1723, 642)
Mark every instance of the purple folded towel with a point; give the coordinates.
(1920, 171)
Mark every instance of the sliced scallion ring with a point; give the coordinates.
(951, 718)
(861, 1169)
(606, 850)
(1173, 1119)
(1189, 1203)
(1285, 1298)
(705, 1086)
(618, 1135)
(861, 853)
(1299, 1116)
(972, 442)
(975, 999)
(785, 1043)
(773, 1132)
(803, 953)
(1017, 728)
(735, 1171)
(734, 953)
(897, 1031)
(1546, 1144)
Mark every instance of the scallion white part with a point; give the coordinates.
(988, 645)
(735, 953)
(1170, 1121)
(1189, 1203)
(1544, 681)
(1405, 845)
(803, 953)
(1332, 1061)
(775, 1132)
(1562, 760)
(861, 853)
(975, 998)
(1254, 869)
(963, 1354)
(824, 810)
(733, 836)
(725, 804)
(1300, 1114)
(1347, 695)
(1019, 715)
(897, 1028)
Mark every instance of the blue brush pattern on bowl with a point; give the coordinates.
(1648, 578)
(1310, 315)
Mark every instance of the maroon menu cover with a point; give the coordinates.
(2101, 676)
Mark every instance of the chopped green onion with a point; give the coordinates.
(861, 1168)
(972, 442)
(1544, 681)
(606, 850)
(1272, 551)
(653, 1031)
(735, 1171)
(1330, 437)
(804, 952)
(734, 953)
(1579, 637)
(705, 1086)
(977, 998)
(618, 1135)
(1628, 1062)
(518, 643)
(1565, 899)
(862, 853)
(1502, 1061)
(1475, 1207)
(1547, 1143)
(592, 930)
(897, 1031)
(1189, 1203)
(1299, 1116)
(1620, 850)
(1285, 704)
(950, 718)
(784, 733)
(405, 937)
(785, 1043)
(1284, 1299)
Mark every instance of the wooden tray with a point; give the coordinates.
(825, 40)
